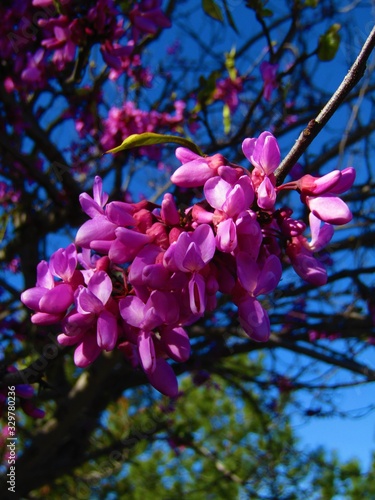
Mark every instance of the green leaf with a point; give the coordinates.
(226, 118)
(329, 43)
(311, 3)
(207, 89)
(150, 138)
(230, 63)
(259, 7)
(213, 10)
(230, 17)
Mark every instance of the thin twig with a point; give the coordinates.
(315, 126)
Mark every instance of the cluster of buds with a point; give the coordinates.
(145, 272)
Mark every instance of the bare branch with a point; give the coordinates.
(313, 128)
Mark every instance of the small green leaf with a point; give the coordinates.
(150, 138)
(207, 89)
(267, 13)
(329, 43)
(226, 118)
(258, 6)
(230, 63)
(230, 17)
(311, 3)
(213, 10)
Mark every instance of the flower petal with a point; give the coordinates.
(132, 310)
(254, 320)
(146, 351)
(87, 351)
(99, 228)
(204, 237)
(329, 209)
(44, 276)
(119, 213)
(100, 285)
(106, 331)
(247, 271)
(57, 300)
(31, 297)
(266, 194)
(226, 236)
(63, 262)
(176, 344)
(41, 318)
(192, 174)
(216, 191)
(197, 294)
(270, 275)
(163, 378)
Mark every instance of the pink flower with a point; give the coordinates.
(231, 198)
(304, 263)
(254, 319)
(263, 153)
(195, 169)
(320, 194)
(51, 299)
(147, 17)
(269, 76)
(192, 251)
(92, 301)
(161, 311)
(93, 324)
(227, 90)
(256, 278)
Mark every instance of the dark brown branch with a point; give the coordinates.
(336, 360)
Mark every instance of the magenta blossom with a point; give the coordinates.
(145, 272)
(320, 194)
(50, 299)
(263, 152)
(269, 76)
(195, 169)
(147, 17)
(93, 324)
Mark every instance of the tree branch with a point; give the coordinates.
(316, 125)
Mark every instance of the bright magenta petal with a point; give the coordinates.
(87, 351)
(57, 300)
(106, 331)
(329, 209)
(254, 320)
(163, 378)
(146, 351)
(176, 344)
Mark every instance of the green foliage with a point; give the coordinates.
(211, 8)
(207, 87)
(221, 438)
(311, 3)
(230, 58)
(150, 138)
(259, 6)
(226, 118)
(329, 43)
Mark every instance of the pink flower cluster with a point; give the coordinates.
(40, 38)
(129, 119)
(146, 272)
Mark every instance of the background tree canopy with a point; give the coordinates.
(77, 80)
